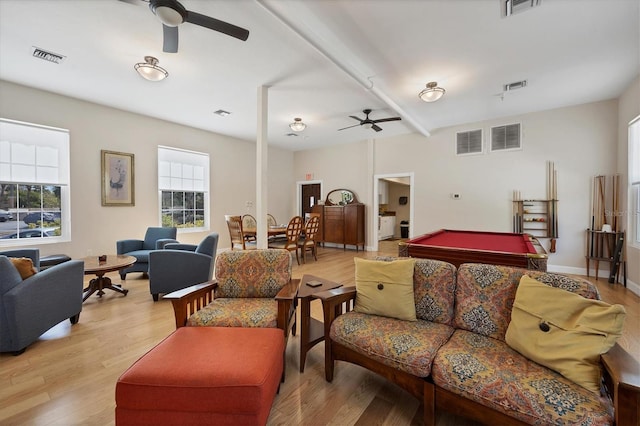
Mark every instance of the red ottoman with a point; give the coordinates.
(204, 375)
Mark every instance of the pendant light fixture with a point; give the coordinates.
(149, 70)
(297, 125)
(432, 93)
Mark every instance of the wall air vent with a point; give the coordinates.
(515, 85)
(512, 7)
(469, 142)
(506, 138)
(56, 58)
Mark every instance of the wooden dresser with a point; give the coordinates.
(342, 219)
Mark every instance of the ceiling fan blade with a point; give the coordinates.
(382, 120)
(217, 25)
(170, 37)
(355, 125)
(356, 118)
(376, 128)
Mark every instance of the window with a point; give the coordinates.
(505, 137)
(34, 183)
(469, 142)
(634, 180)
(183, 184)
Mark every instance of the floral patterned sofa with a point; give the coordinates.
(455, 358)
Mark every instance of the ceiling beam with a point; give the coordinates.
(342, 58)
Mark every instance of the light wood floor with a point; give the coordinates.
(68, 377)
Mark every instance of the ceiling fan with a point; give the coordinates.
(368, 123)
(171, 13)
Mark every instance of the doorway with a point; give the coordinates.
(393, 192)
(309, 193)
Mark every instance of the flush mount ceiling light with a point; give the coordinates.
(149, 70)
(297, 125)
(432, 93)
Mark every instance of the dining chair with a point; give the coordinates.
(308, 241)
(236, 234)
(248, 221)
(294, 228)
(271, 221)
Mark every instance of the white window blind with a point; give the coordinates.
(33, 154)
(182, 170)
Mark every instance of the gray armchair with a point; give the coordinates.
(154, 239)
(32, 306)
(179, 266)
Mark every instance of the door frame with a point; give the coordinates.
(373, 231)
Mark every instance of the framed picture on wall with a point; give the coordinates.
(117, 179)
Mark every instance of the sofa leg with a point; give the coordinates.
(429, 404)
(74, 319)
(123, 276)
(155, 297)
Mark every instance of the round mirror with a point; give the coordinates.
(341, 197)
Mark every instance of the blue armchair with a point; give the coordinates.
(179, 266)
(154, 239)
(30, 307)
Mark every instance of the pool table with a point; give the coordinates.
(497, 248)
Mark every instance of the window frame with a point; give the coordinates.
(55, 142)
(171, 179)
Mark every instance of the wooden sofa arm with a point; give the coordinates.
(333, 302)
(622, 378)
(191, 299)
(286, 299)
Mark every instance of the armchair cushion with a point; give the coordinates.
(24, 266)
(241, 312)
(255, 273)
(385, 288)
(563, 331)
(155, 239)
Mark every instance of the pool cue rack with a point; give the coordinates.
(605, 238)
(539, 217)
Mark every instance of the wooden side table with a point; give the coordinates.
(311, 330)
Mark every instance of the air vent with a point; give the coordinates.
(515, 85)
(512, 7)
(469, 142)
(505, 137)
(56, 58)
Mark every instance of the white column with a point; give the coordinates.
(261, 168)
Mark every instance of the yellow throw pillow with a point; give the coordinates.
(563, 331)
(385, 288)
(24, 265)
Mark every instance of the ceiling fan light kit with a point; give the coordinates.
(297, 125)
(432, 93)
(170, 13)
(149, 70)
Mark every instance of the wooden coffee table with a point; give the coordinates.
(93, 266)
(311, 330)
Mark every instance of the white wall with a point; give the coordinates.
(628, 109)
(581, 140)
(93, 127)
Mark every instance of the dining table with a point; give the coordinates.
(272, 231)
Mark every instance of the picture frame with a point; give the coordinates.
(117, 178)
